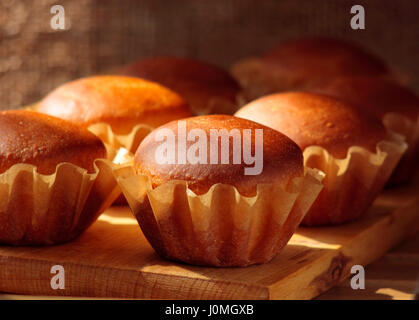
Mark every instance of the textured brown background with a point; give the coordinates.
(103, 34)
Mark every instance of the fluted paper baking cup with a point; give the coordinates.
(351, 184)
(38, 209)
(113, 141)
(221, 227)
(409, 163)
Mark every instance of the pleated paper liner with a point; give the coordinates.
(351, 184)
(409, 163)
(220, 227)
(38, 209)
(114, 141)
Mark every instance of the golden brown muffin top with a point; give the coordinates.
(312, 119)
(282, 158)
(196, 81)
(45, 141)
(119, 101)
(374, 95)
(321, 57)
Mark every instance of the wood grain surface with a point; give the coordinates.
(395, 276)
(112, 259)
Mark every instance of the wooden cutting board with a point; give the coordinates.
(113, 259)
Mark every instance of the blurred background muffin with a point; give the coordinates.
(206, 88)
(35, 59)
(131, 107)
(121, 102)
(395, 105)
(297, 64)
(353, 149)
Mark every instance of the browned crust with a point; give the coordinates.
(196, 81)
(312, 119)
(45, 141)
(324, 57)
(119, 101)
(282, 158)
(374, 95)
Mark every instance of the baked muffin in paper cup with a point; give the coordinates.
(356, 151)
(120, 110)
(351, 184)
(221, 227)
(54, 181)
(395, 105)
(214, 214)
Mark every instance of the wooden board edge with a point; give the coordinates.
(111, 283)
(335, 265)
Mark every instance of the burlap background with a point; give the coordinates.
(103, 34)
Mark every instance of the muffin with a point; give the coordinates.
(120, 110)
(395, 105)
(207, 89)
(52, 187)
(355, 151)
(296, 64)
(207, 208)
